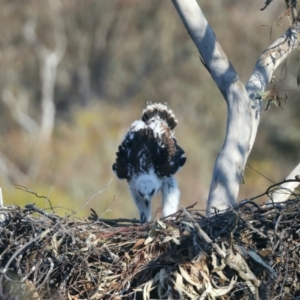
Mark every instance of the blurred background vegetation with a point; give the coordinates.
(103, 60)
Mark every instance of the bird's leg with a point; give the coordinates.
(170, 196)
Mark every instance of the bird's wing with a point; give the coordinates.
(148, 146)
(134, 154)
(168, 157)
(179, 158)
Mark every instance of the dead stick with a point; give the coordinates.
(204, 235)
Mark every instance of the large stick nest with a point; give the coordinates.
(251, 252)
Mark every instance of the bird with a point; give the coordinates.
(148, 159)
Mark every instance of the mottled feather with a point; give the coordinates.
(151, 144)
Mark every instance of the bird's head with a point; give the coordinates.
(143, 188)
(146, 188)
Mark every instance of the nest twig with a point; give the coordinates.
(250, 252)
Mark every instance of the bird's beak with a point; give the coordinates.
(147, 200)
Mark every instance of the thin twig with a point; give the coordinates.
(90, 199)
(27, 190)
(42, 212)
(272, 186)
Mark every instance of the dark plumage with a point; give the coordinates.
(149, 153)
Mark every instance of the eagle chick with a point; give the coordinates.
(149, 157)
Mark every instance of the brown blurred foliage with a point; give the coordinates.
(119, 55)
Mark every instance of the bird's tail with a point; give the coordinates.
(159, 111)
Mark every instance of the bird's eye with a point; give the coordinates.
(142, 195)
(152, 192)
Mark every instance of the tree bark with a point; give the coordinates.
(244, 104)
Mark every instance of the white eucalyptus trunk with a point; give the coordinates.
(243, 103)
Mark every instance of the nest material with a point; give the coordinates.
(251, 252)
